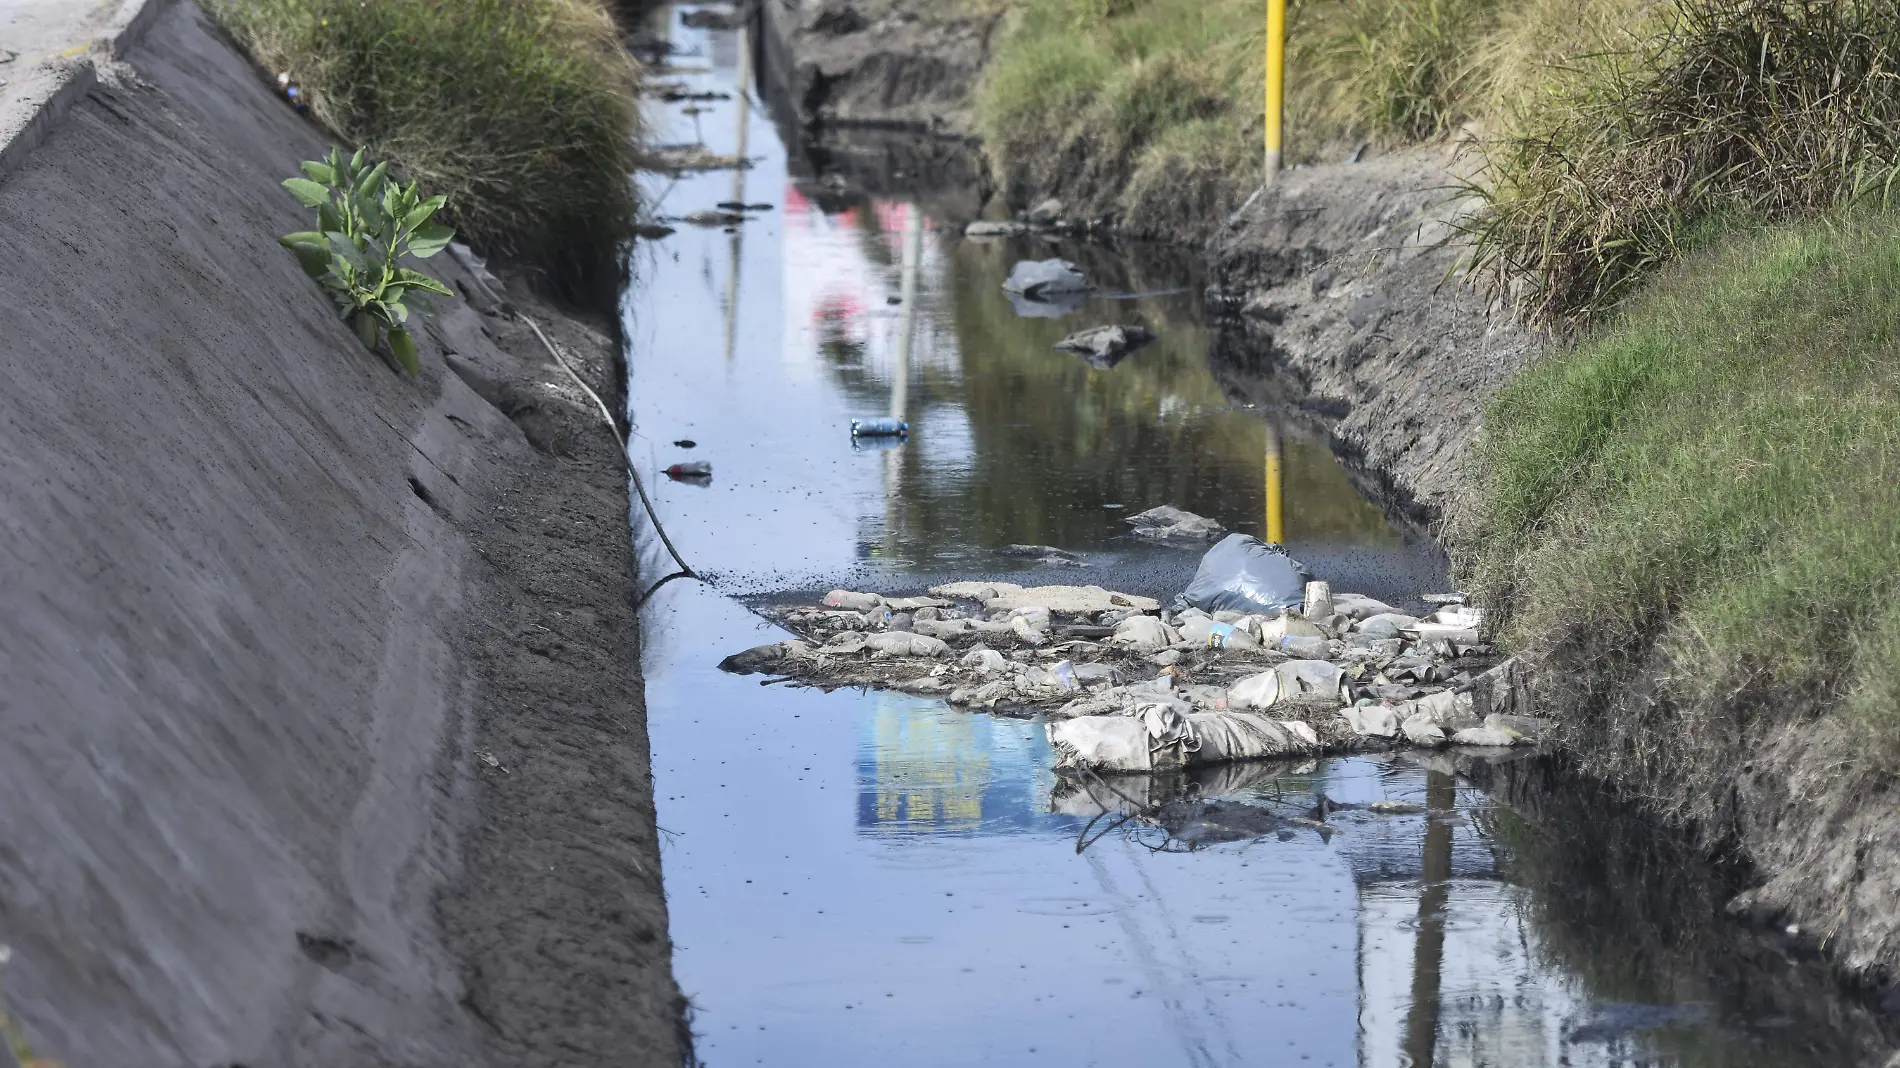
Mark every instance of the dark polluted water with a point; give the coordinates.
(864, 878)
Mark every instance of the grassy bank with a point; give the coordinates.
(1688, 514)
(1692, 518)
(521, 111)
(1152, 110)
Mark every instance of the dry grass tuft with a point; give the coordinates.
(1765, 109)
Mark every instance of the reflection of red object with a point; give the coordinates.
(796, 206)
(894, 215)
(837, 307)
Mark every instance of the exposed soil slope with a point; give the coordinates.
(1346, 275)
(268, 601)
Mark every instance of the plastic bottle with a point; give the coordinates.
(1304, 648)
(1202, 630)
(694, 469)
(885, 427)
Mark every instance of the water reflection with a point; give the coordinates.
(876, 879)
(876, 310)
(1456, 960)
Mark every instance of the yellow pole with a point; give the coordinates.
(1276, 526)
(1276, 82)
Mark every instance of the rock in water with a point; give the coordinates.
(1105, 346)
(1171, 524)
(1047, 213)
(1043, 279)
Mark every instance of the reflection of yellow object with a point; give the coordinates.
(1276, 81)
(1276, 520)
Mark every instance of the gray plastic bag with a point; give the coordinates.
(1045, 279)
(1244, 574)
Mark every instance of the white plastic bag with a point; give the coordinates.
(1295, 678)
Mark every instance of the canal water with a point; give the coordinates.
(866, 878)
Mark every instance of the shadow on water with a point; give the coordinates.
(864, 878)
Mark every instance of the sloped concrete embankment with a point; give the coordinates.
(272, 608)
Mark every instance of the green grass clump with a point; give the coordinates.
(1768, 108)
(1403, 69)
(1692, 517)
(1128, 107)
(521, 112)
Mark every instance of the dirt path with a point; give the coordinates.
(271, 606)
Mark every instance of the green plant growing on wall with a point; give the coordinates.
(366, 224)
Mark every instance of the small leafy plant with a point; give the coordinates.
(365, 225)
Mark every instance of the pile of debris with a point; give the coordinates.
(1127, 686)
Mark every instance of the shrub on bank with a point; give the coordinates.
(1692, 517)
(521, 112)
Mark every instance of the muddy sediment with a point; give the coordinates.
(328, 739)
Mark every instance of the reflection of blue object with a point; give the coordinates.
(879, 444)
(924, 768)
(879, 428)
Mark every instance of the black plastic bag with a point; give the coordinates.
(1241, 573)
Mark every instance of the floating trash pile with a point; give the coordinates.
(1129, 686)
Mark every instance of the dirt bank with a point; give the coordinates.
(273, 607)
(1346, 277)
(879, 63)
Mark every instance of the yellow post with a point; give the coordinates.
(1276, 526)
(1276, 82)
